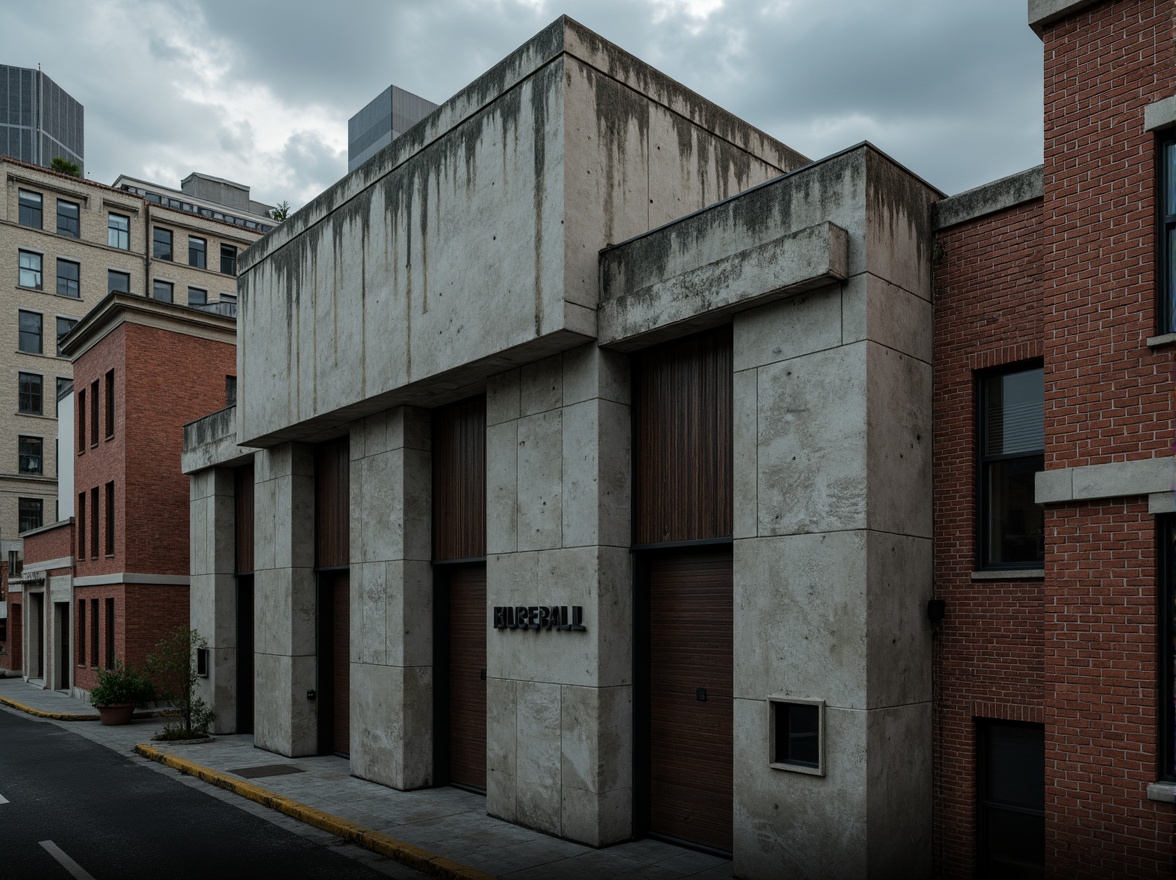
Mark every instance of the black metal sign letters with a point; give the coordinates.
(564, 618)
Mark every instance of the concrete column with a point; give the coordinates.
(392, 599)
(212, 597)
(559, 725)
(832, 571)
(285, 664)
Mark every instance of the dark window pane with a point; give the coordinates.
(30, 513)
(64, 325)
(197, 297)
(30, 333)
(29, 393)
(68, 278)
(197, 253)
(68, 219)
(31, 459)
(118, 281)
(162, 291)
(1015, 413)
(228, 259)
(1016, 523)
(30, 209)
(162, 244)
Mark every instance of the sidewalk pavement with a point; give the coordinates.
(442, 832)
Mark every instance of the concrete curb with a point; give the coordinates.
(56, 716)
(405, 853)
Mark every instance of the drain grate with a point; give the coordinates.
(266, 770)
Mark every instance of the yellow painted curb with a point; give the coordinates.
(56, 716)
(405, 853)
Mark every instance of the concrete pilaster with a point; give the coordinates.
(212, 596)
(392, 599)
(285, 664)
(559, 725)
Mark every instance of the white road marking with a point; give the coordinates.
(3, 800)
(66, 862)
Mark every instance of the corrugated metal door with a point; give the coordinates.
(691, 697)
(467, 676)
(341, 663)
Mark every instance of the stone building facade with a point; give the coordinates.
(64, 244)
(599, 453)
(106, 584)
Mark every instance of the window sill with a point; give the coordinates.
(29, 415)
(1162, 792)
(1010, 574)
(1164, 340)
(26, 287)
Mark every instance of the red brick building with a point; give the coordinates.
(106, 584)
(1054, 473)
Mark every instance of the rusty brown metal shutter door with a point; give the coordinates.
(341, 662)
(467, 676)
(691, 697)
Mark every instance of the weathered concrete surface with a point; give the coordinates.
(1111, 480)
(212, 442)
(1043, 12)
(989, 198)
(472, 246)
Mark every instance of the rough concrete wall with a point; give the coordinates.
(285, 662)
(392, 599)
(635, 161)
(559, 704)
(212, 596)
(457, 255)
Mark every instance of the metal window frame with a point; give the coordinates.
(39, 272)
(22, 395)
(115, 237)
(75, 282)
(983, 460)
(22, 333)
(76, 221)
(22, 208)
(22, 454)
(1165, 227)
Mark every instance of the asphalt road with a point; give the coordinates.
(72, 808)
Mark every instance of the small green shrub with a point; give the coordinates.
(121, 684)
(172, 667)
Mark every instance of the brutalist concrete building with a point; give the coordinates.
(582, 456)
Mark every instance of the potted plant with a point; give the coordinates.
(118, 691)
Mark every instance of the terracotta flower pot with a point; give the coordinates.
(119, 713)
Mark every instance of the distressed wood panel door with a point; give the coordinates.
(691, 706)
(467, 676)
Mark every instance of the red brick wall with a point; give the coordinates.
(143, 614)
(989, 648)
(1103, 65)
(54, 543)
(1101, 711)
(162, 380)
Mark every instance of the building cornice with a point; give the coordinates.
(130, 577)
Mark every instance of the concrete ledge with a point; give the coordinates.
(1164, 792)
(56, 716)
(211, 441)
(1043, 12)
(1162, 341)
(1010, 574)
(1161, 114)
(405, 853)
(1120, 478)
(989, 198)
(1161, 502)
(790, 264)
(63, 562)
(131, 577)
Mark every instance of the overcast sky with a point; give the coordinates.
(259, 91)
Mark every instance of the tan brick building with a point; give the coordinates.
(64, 244)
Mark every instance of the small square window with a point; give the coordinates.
(162, 248)
(30, 209)
(68, 222)
(162, 291)
(30, 270)
(796, 736)
(197, 296)
(118, 281)
(69, 276)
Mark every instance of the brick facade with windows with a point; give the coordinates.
(1059, 267)
(148, 367)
